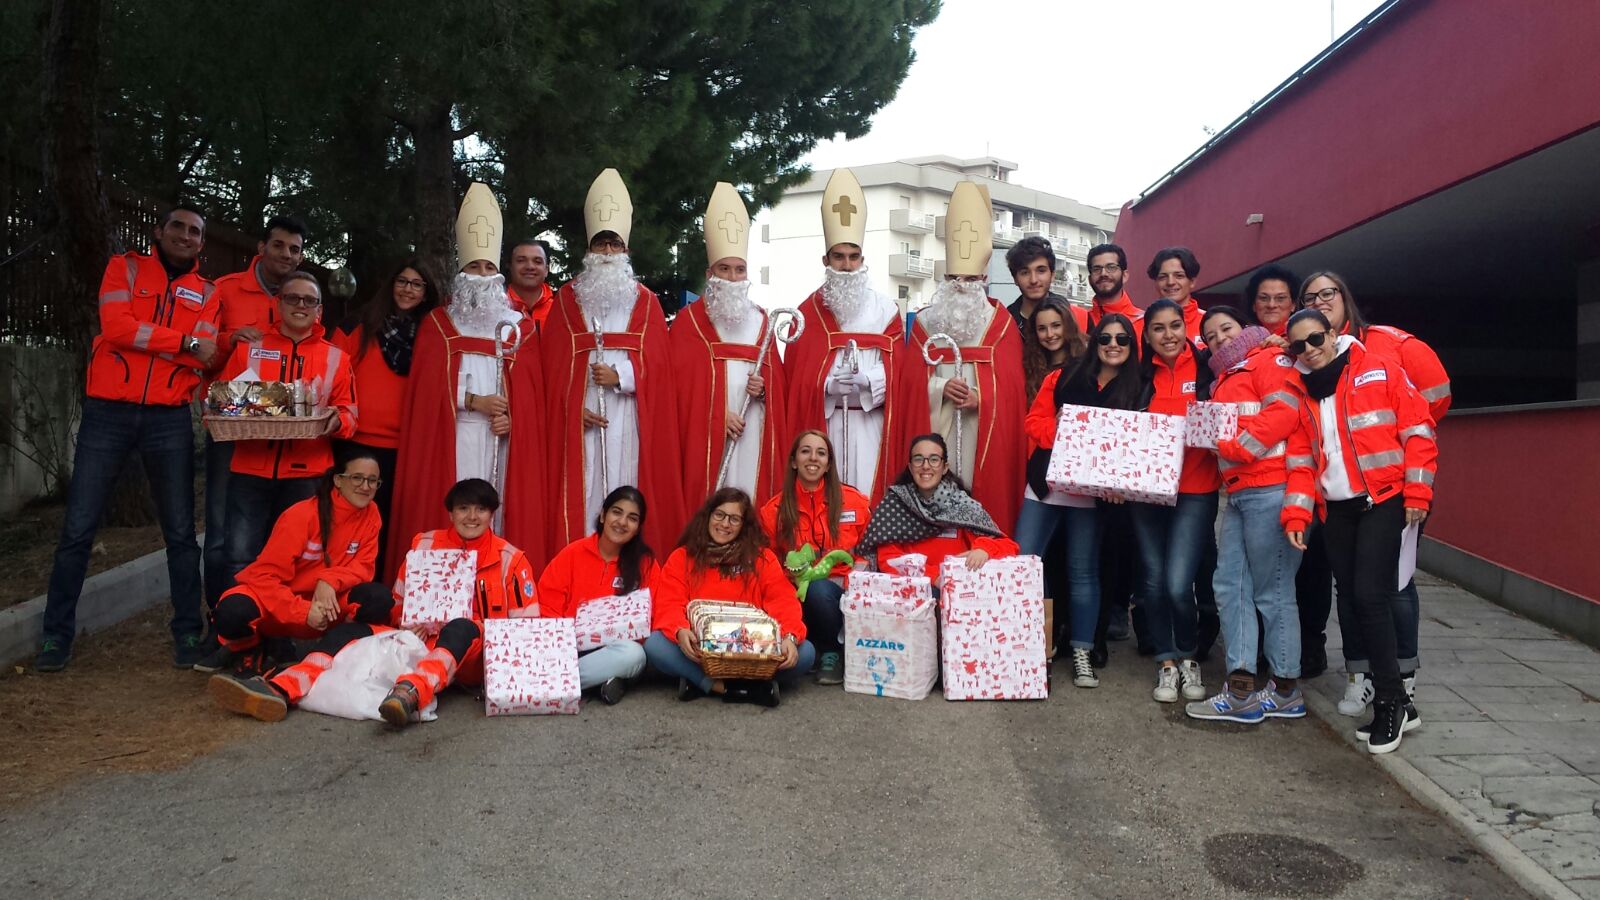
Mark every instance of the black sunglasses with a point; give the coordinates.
(1315, 339)
(1122, 339)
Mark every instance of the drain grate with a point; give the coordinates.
(1279, 865)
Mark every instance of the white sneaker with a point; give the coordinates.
(1189, 672)
(1357, 695)
(1410, 682)
(1082, 670)
(1166, 685)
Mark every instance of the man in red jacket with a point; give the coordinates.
(529, 291)
(158, 332)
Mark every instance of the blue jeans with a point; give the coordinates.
(624, 659)
(823, 617)
(163, 436)
(1036, 525)
(665, 654)
(254, 505)
(219, 456)
(1256, 566)
(1171, 540)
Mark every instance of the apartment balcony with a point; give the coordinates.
(1036, 229)
(1076, 250)
(907, 265)
(908, 221)
(1006, 236)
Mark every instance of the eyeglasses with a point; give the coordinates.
(1123, 339)
(365, 481)
(415, 284)
(1314, 339)
(1107, 269)
(932, 461)
(718, 515)
(1325, 295)
(301, 300)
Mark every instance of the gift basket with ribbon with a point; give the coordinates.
(735, 640)
(265, 410)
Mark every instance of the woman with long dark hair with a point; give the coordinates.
(1173, 539)
(723, 555)
(1104, 377)
(379, 338)
(928, 511)
(1364, 456)
(1051, 341)
(816, 507)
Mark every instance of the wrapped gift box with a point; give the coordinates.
(439, 587)
(1208, 424)
(909, 564)
(891, 641)
(1103, 452)
(612, 620)
(993, 629)
(530, 667)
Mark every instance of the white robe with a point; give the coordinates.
(746, 463)
(621, 435)
(858, 456)
(475, 443)
(942, 413)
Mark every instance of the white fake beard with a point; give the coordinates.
(958, 309)
(478, 303)
(844, 293)
(727, 302)
(605, 285)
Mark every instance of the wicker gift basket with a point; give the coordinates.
(263, 410)
(736, 640)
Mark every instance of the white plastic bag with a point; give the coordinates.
(363, 673)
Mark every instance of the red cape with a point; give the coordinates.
(425, 467)
(701, 384)
(998, 470)
(564, 345)
(809, 360)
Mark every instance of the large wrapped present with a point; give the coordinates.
(438, 587)
(1208, 424)
(993, 629)
(612, 620)
(530, 667)
(891, 642)
(1105, 452)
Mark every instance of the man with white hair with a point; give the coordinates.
(714, 346)
(456, 389)
(610, 418)
(832, 387)
(988, 388)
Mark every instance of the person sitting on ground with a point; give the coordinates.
(613, 561)
(928, 511)
(816, 507)
(723, 555)
(504, 589)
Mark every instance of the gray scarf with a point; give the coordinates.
(904, 517)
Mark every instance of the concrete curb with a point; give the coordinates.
(107, 599)
(1531, 876)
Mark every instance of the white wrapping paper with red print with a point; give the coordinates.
(438, 588)
(612, 620)
(891, 641)
(883, 592)
(530, 667)
(993, 629)
(1103, 452)
(1208, 424)
(909, 564)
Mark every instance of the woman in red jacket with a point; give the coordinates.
(379, 338)
(723, 555)
(315, 571)
(1364, 454)
(1173, 539)
(816, 507)
(928, 510)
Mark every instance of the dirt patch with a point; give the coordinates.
(119, 707)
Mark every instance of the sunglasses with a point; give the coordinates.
(1315, 339)
(1122, 339)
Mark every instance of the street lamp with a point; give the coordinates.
(342, 283)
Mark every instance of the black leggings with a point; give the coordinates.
(236, 614)
(1364, 552)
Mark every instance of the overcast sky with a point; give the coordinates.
(1093, 99)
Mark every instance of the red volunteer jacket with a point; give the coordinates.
(505, 588)
(382, 392)
(1269, 409)
(277, 358)
(246, 303)
(578, 574)
(1417, 360)
(767, 587)
(951, 543)
(811, 526)
(145, 319)
(289, 567)
(1174, 390)
(1386, 437)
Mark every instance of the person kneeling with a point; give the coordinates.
(722, 555)
(612, 562)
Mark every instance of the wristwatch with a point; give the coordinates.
(192, 345)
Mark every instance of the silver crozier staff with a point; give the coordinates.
(600, 392)
(852, 356)
(507, 335)
(776, 321)
(927, 356)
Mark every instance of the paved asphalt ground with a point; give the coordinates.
(1097, 793)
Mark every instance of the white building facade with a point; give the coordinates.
(904, 249)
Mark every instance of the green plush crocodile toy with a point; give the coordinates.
(805, 568)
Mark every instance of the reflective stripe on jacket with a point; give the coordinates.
(1269, 409)
(145, 319)
(277, 358)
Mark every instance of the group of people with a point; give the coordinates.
(550, 422)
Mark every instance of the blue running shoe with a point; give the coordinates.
(1225, 707)
(1281, 706)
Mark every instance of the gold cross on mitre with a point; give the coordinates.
(844, 208)
(731, 227)
(605, 206)
(965, 236)
(481, 230)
